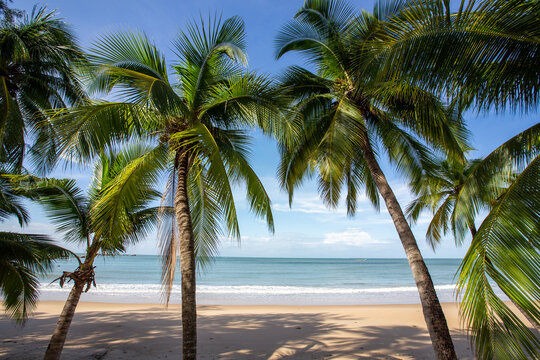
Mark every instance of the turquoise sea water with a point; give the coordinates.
(286, 281)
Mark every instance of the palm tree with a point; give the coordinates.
(456, 193)
(506, 250)
(342, 114)
(37, 55)
(484, 56)
(104, 220)
(22, 256)
(195, 124)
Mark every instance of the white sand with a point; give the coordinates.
(149, 331)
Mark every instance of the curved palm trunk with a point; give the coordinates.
(433, 314)
(535, 325)
(56, 344)
(187, 261)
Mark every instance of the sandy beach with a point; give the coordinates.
(150, 331)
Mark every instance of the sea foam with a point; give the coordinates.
(256, 294)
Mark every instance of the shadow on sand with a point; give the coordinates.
(155, 333)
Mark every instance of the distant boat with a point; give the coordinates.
(360, 259)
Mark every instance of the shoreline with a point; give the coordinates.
(100, 303)
(152, 331)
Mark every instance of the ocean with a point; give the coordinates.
(261, 281)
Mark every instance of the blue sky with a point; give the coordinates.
(308, 229)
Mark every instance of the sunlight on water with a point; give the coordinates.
(263, 281)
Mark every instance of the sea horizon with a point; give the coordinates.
(261, 281)
(287, 257)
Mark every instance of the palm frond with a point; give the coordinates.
(79, 134)
(232, 145)
(208, 53)
(10, 202)
(440, 126)
(243, 100)
(505, 248)
(64, 203)
(484, 52)
(168, 236)
(129, 188)
(12, 144)
(199, 139)
(132, 65)
(407, 153)
(22, 258)
(206, 216)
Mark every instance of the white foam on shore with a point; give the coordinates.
(252, 294)
(148, 289)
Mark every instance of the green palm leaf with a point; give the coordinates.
(64, 203)
(199, 139)
(505, 250)
(22, 258)
(38, 55)
(484, 52)
(122, 191)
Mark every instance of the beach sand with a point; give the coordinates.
(150, 331)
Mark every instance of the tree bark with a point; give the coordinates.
(56, 344)
(472, 228)
(187, 261)
(433, 314)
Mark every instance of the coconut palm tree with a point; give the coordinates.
(195, 123)
(22, 256)
(456, 193)
(37, 55)
(344, 118)
(483, 56)
(104, 220)
(506, 251)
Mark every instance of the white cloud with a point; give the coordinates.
(256, 239)
(424, 219)
(31, 228)
(314, 205)
(307, 205)
(351, 237)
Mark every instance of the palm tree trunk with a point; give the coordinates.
(535, 325)
(56, 344)
(187, 261)
(433, 314)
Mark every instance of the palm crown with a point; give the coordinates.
(37, 58)
(339, 108)
(456, 192)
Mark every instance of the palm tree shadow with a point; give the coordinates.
(156, 333)
(315, 336)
